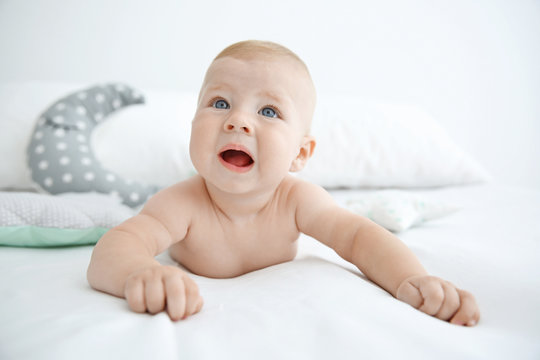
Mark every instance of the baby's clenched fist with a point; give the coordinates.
(439, 298)
(161, 288)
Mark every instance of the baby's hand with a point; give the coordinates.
(163, 288)
(439, 298)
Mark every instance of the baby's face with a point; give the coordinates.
(251, 120)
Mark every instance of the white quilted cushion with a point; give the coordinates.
(31, 219)
(398, 210)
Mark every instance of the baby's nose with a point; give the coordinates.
(237, 124)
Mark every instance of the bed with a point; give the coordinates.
(462, 225)
(315, 307)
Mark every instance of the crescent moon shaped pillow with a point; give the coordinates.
(60, 156)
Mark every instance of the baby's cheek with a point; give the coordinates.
(280, 159)
(200, 143)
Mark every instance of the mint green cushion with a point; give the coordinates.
(41, 220)
(35, 236)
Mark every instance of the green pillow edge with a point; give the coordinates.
(36, 236)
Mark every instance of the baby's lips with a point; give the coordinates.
(236, 147)
(236, 157)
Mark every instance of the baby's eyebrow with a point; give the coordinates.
(218, 87)
(210, 89)
(274, 96)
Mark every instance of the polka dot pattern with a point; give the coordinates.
(59, 154)
(71, 211)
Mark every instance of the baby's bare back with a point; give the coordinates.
(217, 245)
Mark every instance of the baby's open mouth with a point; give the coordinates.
(237, 158)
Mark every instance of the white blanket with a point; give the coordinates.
(315, 307)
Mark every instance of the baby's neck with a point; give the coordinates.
(239, 207)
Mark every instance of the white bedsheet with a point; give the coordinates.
(315, 307)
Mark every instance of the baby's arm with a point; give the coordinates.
(123, 263)
(381, 256)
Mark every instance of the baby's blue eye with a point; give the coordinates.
(268, 111)
(221, 104)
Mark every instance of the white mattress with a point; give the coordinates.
(315, 307)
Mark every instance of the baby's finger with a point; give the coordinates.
(154, 294)
(200, 304)
(433, 295)
(468, 313)
(176, 297)
(451, 302)
(192, 297)
(134, 294)
(410, 294)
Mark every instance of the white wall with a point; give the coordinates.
(473, 64)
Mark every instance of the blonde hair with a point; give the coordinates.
(250, 49)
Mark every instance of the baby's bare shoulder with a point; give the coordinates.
(177, 200)
(302, 192)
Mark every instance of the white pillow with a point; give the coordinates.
(398, 210)
(155, 150)
(360, 143)
(364, 143)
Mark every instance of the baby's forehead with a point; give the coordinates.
(277, 63)
(282, 70)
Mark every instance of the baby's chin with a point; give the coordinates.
(234, 186)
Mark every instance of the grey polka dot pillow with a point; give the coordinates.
(59, 153)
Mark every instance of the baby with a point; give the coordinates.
(244, 211)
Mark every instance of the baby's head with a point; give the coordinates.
(253, 116)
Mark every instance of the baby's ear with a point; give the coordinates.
(306, 150)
